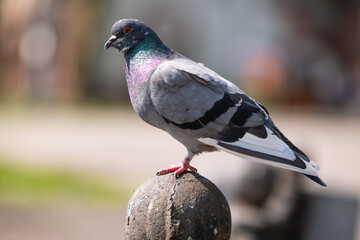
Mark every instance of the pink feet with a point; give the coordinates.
(178, 169)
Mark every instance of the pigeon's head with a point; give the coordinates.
(126, 33)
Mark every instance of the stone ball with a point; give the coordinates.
(189, 207)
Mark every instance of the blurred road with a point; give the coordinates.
(70, 223)
(117, 144)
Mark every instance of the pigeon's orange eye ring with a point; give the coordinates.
(127, 29)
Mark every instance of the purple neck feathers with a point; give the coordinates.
(138, 71)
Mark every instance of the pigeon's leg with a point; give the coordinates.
(178, 169)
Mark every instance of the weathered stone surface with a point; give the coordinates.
(190, 208)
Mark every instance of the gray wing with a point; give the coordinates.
(191, 96)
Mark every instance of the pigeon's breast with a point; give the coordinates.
(138, 73)
(137, 80)
(143, 106)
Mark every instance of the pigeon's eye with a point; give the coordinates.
(127, 29)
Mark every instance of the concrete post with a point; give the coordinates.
(190, 208)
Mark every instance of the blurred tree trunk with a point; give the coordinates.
(45, 47)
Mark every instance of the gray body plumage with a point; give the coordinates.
(198, 107)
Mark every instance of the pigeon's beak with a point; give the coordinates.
(110, 42)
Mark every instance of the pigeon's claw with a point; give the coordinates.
(182, 168)
(168, 170)
(178, 169)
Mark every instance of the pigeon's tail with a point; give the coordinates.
(272, 148)
(297, 151)
(316, 179)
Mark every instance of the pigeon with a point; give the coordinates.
(198, 107)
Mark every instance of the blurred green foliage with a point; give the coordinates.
(22, 185)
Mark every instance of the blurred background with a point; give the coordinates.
(72, 150)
